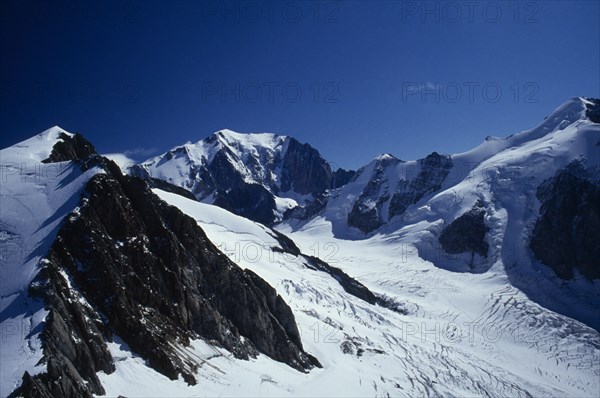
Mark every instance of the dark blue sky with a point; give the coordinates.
(353, 79)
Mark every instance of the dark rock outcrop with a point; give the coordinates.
(565, 236)
(434, 169)
(307, 210)
(70, 148)
(304, 170)
(248, 190)
(367, 213)
(127, 263)
(341, 177)
(165, 186)
(593, 110)
(252, 201)
(467, 233)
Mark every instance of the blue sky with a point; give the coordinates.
(352, 79)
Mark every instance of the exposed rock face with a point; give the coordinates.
(304, 170)
(385, 195)
(308, 210)
(434, 169)
(127, 263)
(593, 109)
(74, 341)
(243, 173)
(565, 236)
(366, 211)
(252, 201)
(467, 233)
(165, 186)
(341, 177)
(70, 148)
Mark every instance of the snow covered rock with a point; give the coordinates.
(125, 263)
(258, 176)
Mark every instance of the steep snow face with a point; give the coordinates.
(253, 156)
(35, 197)
(389, 189)
(34, 149)
(255, 175)
(504, 176)
(458, 334)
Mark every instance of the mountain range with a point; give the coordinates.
(242, 264)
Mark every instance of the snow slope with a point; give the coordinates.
(491, 171)
(504, 174)
(230, 163)
(463, 334)
(240, 150)
(34, 199)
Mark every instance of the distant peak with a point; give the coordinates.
(53, 133)
(385, 156)
(227, 136)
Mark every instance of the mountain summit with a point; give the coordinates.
(258, 176)
(467, 274)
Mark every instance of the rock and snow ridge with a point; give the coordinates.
(520, 185)
(116, 262)
(460, 324)
(259, 176)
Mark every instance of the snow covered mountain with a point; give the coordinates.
(474, 274)
(527, 206)
(258, 176)
(93, 258)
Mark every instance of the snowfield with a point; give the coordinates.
(499, 326)
(463, 335)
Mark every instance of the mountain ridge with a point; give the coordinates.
(500, 236)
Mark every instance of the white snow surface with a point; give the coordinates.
(463, 334)
(123, 161)
(34, 199)
(499, 170)
(175, 165)
(256, 156)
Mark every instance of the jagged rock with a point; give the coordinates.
(466, 233)
(434, 169)
(304, 170)
(252, 201)
(157, 281)
(369, 210)
(341, 177)
(366, 211)
(70, 148)
(565, 236)
(308, 210)
(165, 186)
(593, 110)
(245, 178)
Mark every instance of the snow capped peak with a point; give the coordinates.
(385, 156)
(36, 148)
(566, 114)
(230, 137)
(49, 135)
